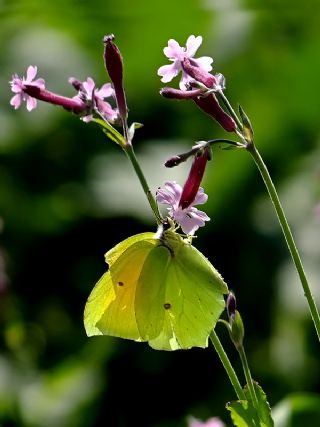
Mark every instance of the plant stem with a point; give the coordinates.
(230, 109)
(247, 374)
(251, 148)
(227, 366)
(287, 233)
(136, 166)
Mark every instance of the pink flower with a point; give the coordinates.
(177, 54)
(211, 422)
(190, 218)
(95, 98)
(19, 84)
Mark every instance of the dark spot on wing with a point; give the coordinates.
(120, 284)
(167, 305)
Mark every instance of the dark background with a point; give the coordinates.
(67, 195)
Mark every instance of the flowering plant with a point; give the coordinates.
(158, 288)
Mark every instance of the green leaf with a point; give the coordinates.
(247, 127)
(132, 128)
(244, 414)
(111, 132)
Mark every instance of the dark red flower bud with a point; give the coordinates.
(171, 93)
(192, 184)
(77, 84)
(210, 105)
(197, 73)
(231, 305)
(172, 162)
(114, 65)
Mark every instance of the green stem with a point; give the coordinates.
(230, 109)
(287, 233)
(247, 374)
(136, 166)
(227, 366)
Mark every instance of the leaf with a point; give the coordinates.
(111, 132)
(158, 289)
(247, 127)
(132, 128)
(244, 414)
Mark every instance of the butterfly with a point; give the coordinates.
(158, 289)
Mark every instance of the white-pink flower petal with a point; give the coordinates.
(31, 103)
(192, 45)
(204, 62)
(201, 197)
(170, 194)
(15, 101)
(105, 91)
(168, 72)
(31, 73)
(173, 50)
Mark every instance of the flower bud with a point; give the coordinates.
(236, 328)
(210, 105)
(114, 65)
(77, 84)
(231, 305)
(191, 186)
(173, 161)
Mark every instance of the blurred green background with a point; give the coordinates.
(67, 196)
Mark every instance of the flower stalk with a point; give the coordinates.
(236, 331)
(251, 148)
(230, 109)
(287, 234)
(144, 184)
(227, 366)
(247, 374)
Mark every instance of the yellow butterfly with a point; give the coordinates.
(160, 289)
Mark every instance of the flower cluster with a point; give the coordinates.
(88, 100)
(196, 82)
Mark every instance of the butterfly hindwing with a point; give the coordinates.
(110, 307)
